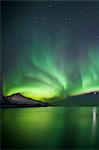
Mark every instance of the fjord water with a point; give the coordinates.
(50, 128)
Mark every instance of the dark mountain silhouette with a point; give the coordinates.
(17, 100)
(91, 99)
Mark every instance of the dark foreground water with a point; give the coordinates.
(50, 128)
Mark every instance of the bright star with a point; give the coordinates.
(65, 18)
(94, 93)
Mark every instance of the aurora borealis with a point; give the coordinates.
(50, 50)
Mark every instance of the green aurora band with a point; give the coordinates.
(50, 53)
(49, 73)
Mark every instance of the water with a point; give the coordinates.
(50, 128)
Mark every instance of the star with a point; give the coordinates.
(65, 18)
(35, 17)
(94, 93)
(43, 18)
(50, 5)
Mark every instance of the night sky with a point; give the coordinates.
(50, 49)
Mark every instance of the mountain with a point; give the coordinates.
(91, 99)
(17, 100)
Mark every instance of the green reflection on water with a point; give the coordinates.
(50, 127)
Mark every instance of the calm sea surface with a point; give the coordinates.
(50, 128)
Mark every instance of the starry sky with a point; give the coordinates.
(50, 49)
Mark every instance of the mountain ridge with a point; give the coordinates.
(18, 100)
